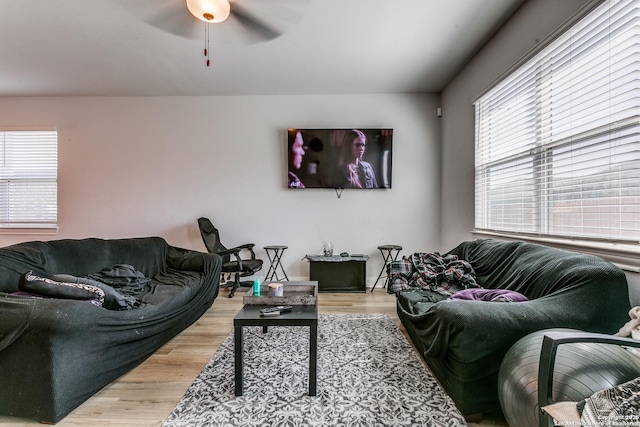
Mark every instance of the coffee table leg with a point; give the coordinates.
(238, 353)
(313, 358)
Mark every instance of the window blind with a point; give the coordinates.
(557, 142)
(28, 179)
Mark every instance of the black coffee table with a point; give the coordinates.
(301, 315)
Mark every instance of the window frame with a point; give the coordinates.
(622, 252)
(48, 222)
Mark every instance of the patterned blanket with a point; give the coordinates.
(616, 406)
(445, 275)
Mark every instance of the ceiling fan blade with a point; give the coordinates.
(179, 22)
(171, 16)
(253, 24)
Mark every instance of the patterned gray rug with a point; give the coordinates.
(368, 375)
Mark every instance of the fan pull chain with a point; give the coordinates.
(206, 42)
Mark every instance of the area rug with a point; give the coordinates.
(368, 375)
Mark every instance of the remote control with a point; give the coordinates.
(279, 308)
(270, 314)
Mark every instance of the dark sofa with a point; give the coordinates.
(55, 353)
(464, 341)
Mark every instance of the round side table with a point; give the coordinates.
(275, 258)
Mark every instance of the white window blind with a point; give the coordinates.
(28, 178)
(558, 141)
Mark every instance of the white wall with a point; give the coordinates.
(530, 25)
(142, 166)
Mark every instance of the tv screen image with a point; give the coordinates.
(339, 158)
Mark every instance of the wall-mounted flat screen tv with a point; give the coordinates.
(339, 158)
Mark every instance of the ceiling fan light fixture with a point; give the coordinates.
(213, 11)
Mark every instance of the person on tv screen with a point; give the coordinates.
(296, 153)
(356, 172)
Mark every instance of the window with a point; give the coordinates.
(28, 179)
(558, 141)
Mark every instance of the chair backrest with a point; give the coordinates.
(211, 237)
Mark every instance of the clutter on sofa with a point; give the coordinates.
(77, 314)
(465, 340)
(96, 290)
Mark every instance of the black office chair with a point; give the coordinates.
(231, 260)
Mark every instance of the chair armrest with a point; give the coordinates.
(550, 343)
(232, 251)
(235, 251)
(246, 246)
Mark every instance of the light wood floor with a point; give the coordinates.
(146, 396)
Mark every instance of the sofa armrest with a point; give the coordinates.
(550, 343)
(188, 259)
(477, 329)
(473, 330)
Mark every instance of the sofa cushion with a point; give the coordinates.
(534, 270)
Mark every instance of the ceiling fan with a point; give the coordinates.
(185, 18)
(216, 11)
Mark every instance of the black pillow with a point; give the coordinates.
(40, 286)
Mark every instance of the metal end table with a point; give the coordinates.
(389, 254)
(275, 256)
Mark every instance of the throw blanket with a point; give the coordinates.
(113, 299)
(98, 288)
(616, 406)
(491, 295)
(445, 275)
(123, 277)
(632, 327)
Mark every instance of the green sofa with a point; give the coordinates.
(57, 352)
(464, 341)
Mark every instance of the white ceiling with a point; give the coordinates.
(118, 47)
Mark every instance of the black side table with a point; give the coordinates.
(301, 315)
(389, 254)
(275, 256)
